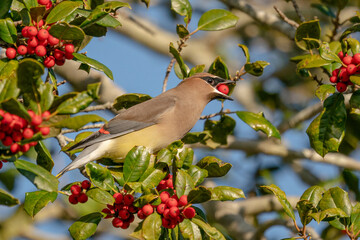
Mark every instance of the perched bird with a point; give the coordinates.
(154, 123)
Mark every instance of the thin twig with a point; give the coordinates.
(98, 125)
(61, 83)
(286, 19)
(337, 24)
(226, 111)
(104, 106)
(297, 10)
(168, 71)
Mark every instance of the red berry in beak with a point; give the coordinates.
(223, 88)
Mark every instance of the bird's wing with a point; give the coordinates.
(130, 120)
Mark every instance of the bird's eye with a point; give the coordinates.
(209, 80)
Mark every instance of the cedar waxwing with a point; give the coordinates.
(155, 123)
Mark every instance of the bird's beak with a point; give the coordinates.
(220, 94)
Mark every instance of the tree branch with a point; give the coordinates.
(286, 19)
(297, 10)
(98, 125)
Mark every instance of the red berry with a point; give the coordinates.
(333, 79)
(45, 130)
(166, 223)
(32, 31)
(166, 213)
(52, 40)
(171, 202)
(33, 144)
(31, 113)
(73, 199)
(336, 72)
(125, 225)
(124, 214)
(85, 184)
(49, 62)
(164, 196)
(161, 208)
(14, 148)
(131, 218)
(128, 199)
(69, 48)
(24, 31)
(341, 55)
(46, 115)
(36, 120)
(132, 209)
(189, 212)
(38, 24)
(174, 212)
(28, 133)
(1, 164)
(7, 118)
(356, 58)
(40, 50)
(343, 75)
(59, 62)
(117, 222)
(223, 88)
(43, 42)
(24, 148)
(7, 141)
(82, 198)
(341, 87)
(58, 54)
(49, 5)
(17, 136)
(183, 201)
(10, 53)
(351, 69)
(30, 50)
(22, 50)
(141, 214)
(347, 60)
(108, 212)
(69, 56)
(75, 189)
(2, 135)
(32, 42)
(118, 198)
(147, 209)
(169, 183)
(43, 2)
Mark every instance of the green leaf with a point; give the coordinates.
(62, 10)
(305, 209)
(183, 67)
(145, 199)
(100, 196)
(324, 9)
(310, 29)
(29, 73)
(225, 193)
(190, 230)
(217, 19)
(135, 164)
(355, 218)
(256, 68)
(327, 54)
(101, 11)
(86, 226)
(350, 30)
(327, 130)
(65, 31)
(107, 21)
(196, 69)
(78, 138)
(182, 31)
(35, 201)
(7, 178)
(73, 103)
(210, 231)
(197, 174)
(183, 8)
(354, 45)
(183, 183)
(7, 199)
(37, 13)
(43, 158)
(336, 198)
(313, 194)
(46, 96)
(153, 179)
(78, 121)
(313, 61)
(5, 7)
(186, 157)
(128, 100)
(246, 52)
(219, 130)
(324, 91)
(195, 137)
(257, 121)
(355, 79)
(8, 31)
(199, 195)
(214, 166)
(39, 176)
(152, 226)
(100, 176)
(219, 68)
(8, 70)
(93, 63)
(328, 214)
(164, 156)
(280, 195)
(15, 107)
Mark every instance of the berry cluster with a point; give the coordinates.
(341, 76)
(1, 163)
(38, 41)
(122, 211)
(13, 129)
(172, 209)
(79, 192)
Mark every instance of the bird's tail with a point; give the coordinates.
(89, 154)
